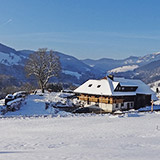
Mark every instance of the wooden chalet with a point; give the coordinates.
(111, 94)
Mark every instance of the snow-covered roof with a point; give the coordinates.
(142, 87)
(107, 87)
(97, 87)
(125, 84)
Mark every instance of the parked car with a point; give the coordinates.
(8, 98)
(20, 94)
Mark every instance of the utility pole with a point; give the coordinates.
(101, 105)
(152, 105)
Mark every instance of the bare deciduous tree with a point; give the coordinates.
(43, 66)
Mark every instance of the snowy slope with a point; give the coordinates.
(123, 69)
(91, 137)
(34, 105)
(149, 58)
(76, 74)
(155, 85)
(10, 58)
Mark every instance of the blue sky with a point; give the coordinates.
(82, 28)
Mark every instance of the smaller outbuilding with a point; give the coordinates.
(113, 93)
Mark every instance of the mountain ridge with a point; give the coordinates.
(77, 71)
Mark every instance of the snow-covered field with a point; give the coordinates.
(65, 136)
(83, 137)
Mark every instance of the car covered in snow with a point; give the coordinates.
(20, 94)
(8, 98)
(16, 95)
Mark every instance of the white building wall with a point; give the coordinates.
(125, 105)
(106, 107)
(110, 107)
(116, 106)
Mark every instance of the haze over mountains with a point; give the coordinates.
(146, 68)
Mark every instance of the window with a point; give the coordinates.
(116, 106)
(98, 86)
(88, 102)
(89, 85)
(97, 104)
(132, 104)
(125, 88)
(128, 105)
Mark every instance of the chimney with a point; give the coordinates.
(111, 77)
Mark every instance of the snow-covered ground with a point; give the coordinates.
(34, 105)
(65, 136)
(87, 137)
(155, 85)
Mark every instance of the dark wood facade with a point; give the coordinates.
(142, 100)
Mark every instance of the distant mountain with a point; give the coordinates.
(149, 58)
(103, 64)
(149, 72)
(5, 49)
(25, 53)
(9, 56)
(107, 64)
(146, 68)
(11, 63)
(130, 60)
(73, 70)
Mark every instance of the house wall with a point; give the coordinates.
(111, 107)
(142, 100)
(123, 106)
(128, 105)
(111, 104)
(106, 107)
(98, 99)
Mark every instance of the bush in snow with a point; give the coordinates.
(54, 87)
